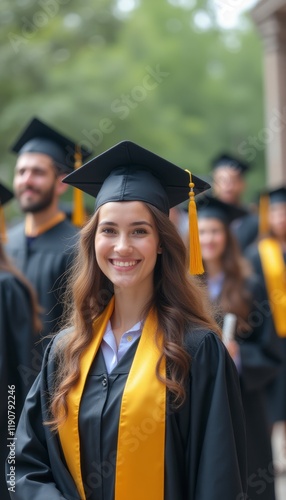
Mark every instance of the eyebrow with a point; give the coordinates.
(137, 223)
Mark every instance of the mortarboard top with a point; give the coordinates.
(210, 207)
(41, 138)
(5, 194)
(227, 160)
(277, 195)
(129, 172)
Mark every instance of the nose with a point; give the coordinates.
(122, 245)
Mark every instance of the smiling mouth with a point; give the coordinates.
(122, 263)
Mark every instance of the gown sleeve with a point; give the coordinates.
(259, 348)
(16, 337)
(39, 464)
(216, 451)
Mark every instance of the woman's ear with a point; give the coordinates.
(160, 249)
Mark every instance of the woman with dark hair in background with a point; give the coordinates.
(139, 397)
(268, 259)
(240, 297)
(19, 323)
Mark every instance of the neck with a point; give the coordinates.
(128, 309)
(213, 268)
(34, 221)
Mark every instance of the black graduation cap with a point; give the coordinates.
(277, 195)
(128, 172)
(228, 160)
(210, 207)
(5, 194)
(38, 137)
(269, 197)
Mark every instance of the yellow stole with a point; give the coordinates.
(274, 271)
(59, 217)
(140, 460)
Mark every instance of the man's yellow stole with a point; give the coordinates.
(274, 270)
(139, 469)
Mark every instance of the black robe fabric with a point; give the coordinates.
(260, 363)
(16, 340)
(245, 230)
(44, 261)
(276, 391)
(205, 456)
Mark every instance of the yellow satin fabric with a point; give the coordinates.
(59, 217)
(141, 435)
(274, 270)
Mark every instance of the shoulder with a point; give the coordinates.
(60, 238)
(57, 343)
(15, 232)
(66, 228)
(13, 291)
(197, 338)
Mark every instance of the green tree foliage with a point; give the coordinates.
(163, 74)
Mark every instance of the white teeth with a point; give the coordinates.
(119, 263)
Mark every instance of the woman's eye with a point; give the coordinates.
(140, 231)
(108, 230)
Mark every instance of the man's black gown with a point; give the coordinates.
(205, 455)
(44, 261)
(16, 341)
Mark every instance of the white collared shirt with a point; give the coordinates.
(111, 354)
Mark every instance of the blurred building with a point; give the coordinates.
(270, 18)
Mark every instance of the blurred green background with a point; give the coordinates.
(161, 73)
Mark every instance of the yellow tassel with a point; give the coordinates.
(196, 264)
(3, 235)
(263, 215)
(79, 215)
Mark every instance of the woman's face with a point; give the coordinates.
(127, 244)
(212, 239)
(277, 219)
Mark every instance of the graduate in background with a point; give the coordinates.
(42, 245)
(19, 323)
(268, 258)
(228, 173)
(139, 396)
(234, 289)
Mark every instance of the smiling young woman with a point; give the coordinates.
(139, 396)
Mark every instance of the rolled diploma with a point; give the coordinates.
(228, 327)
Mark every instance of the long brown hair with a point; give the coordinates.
(6, 265)
(235, 297)
(178, 299)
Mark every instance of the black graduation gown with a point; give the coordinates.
(245, 230)
(205, 441)
(260, 363)
(276, 391)
(44, 262)
(16, 340)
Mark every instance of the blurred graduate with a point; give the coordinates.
(268, 258)
(229, 183)
(139, 396)
(42, 245)
(248, 334)
(19, 323)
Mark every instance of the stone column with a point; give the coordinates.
(270, 17)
